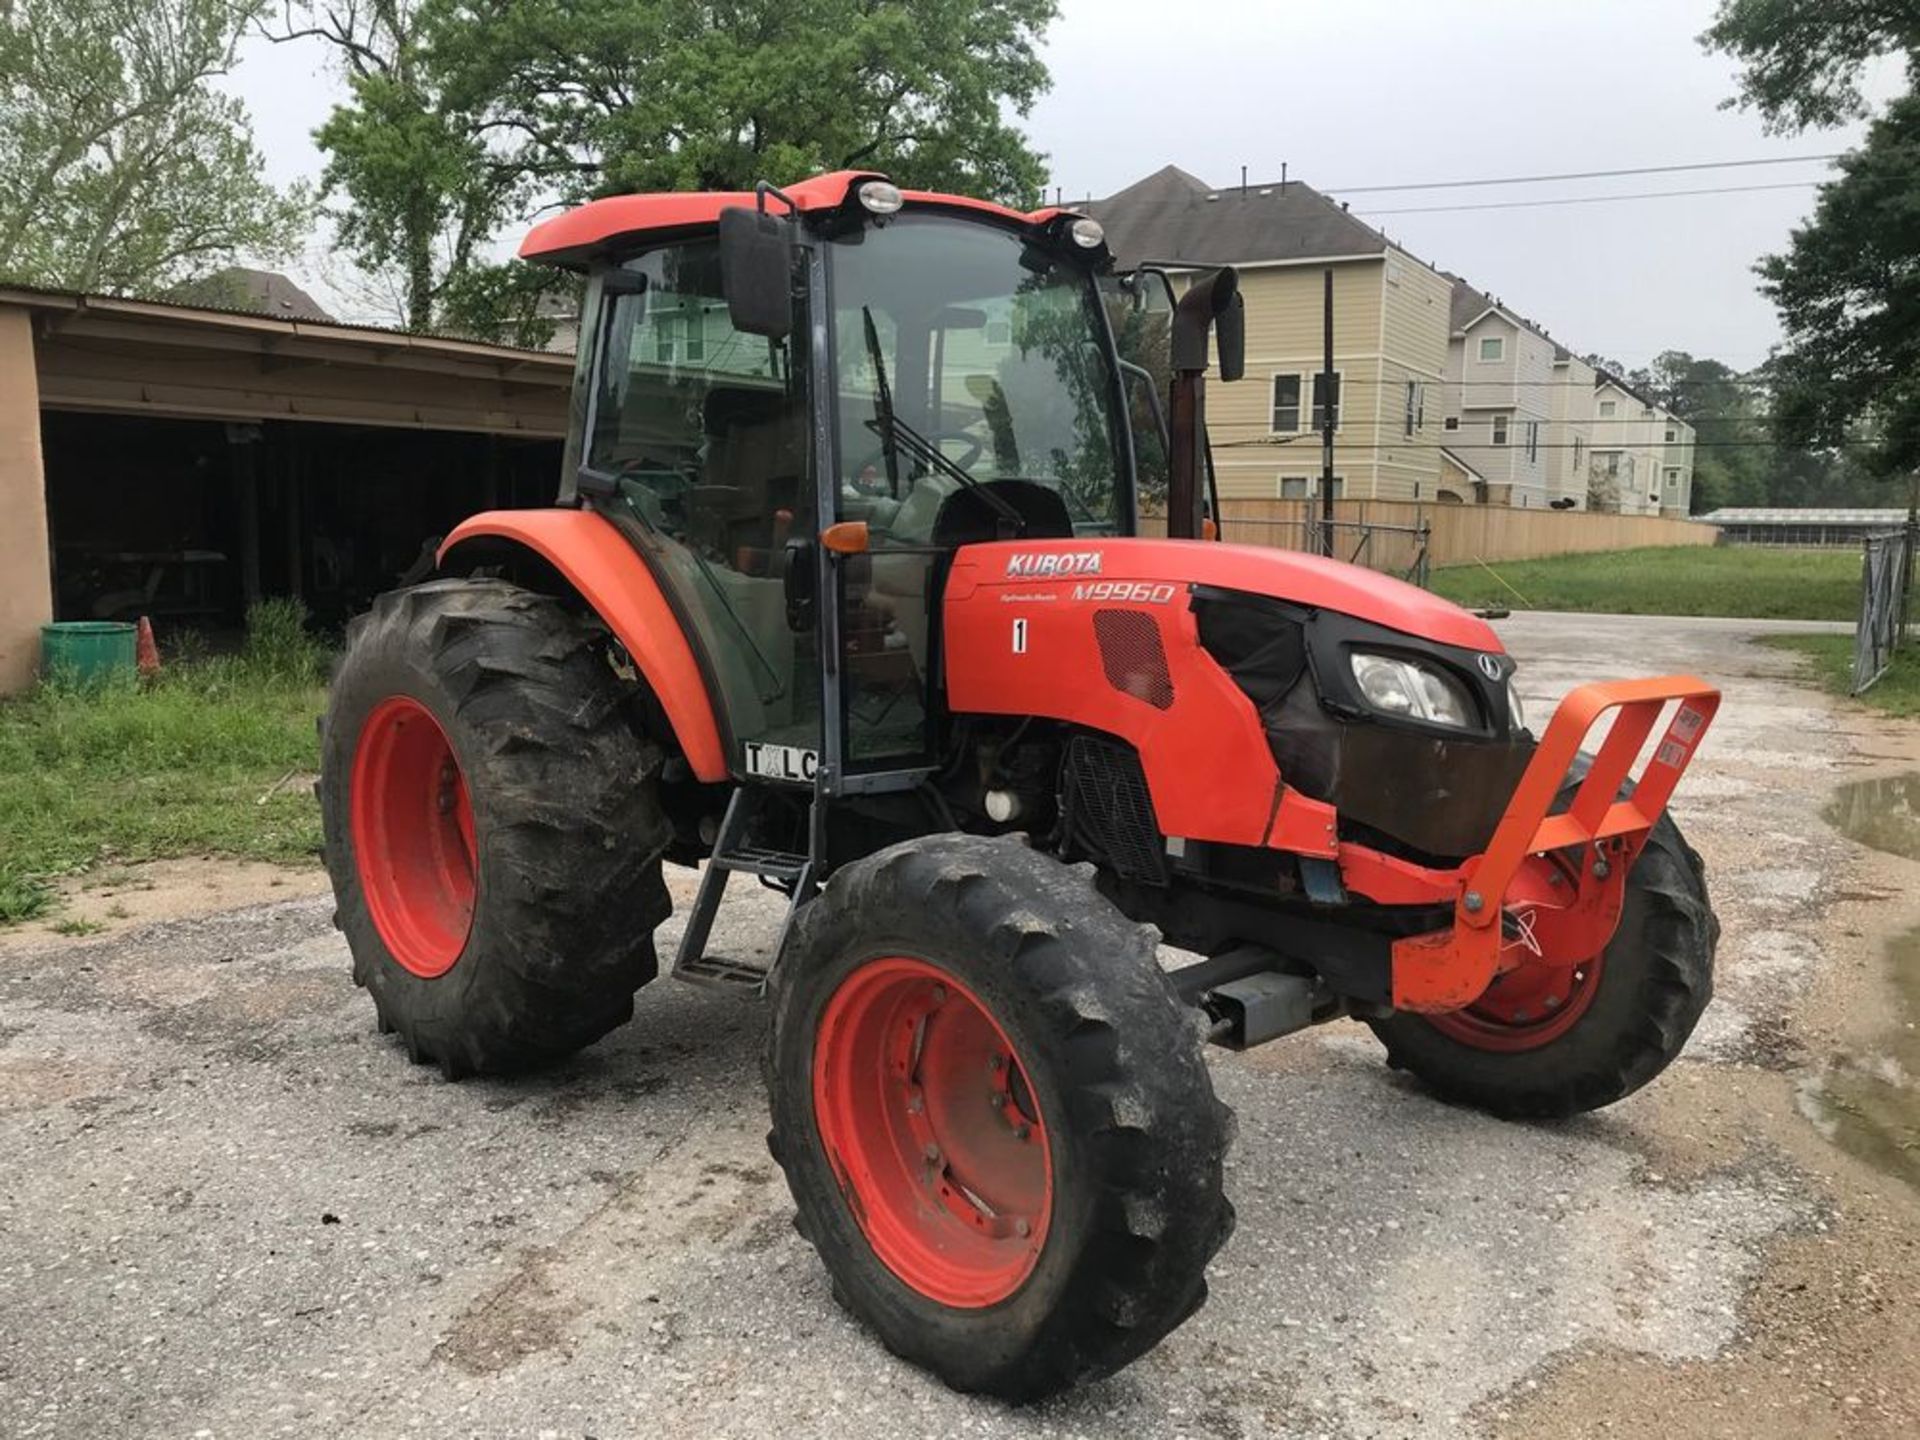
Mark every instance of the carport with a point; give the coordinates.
(181, 462)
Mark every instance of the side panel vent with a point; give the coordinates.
(1108, 812)
(1133, 657)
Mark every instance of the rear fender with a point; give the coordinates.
(611, 577)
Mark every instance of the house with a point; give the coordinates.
(1499, 400)
(1642, 452)
(1391, 324)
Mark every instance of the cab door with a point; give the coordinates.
(701, 434)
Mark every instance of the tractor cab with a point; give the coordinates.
(798, 405)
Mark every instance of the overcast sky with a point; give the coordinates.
(1356, 93)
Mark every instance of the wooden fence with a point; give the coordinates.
(1456, 534)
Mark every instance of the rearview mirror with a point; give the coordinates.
(756, 272)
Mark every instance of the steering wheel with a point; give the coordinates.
(876, 463)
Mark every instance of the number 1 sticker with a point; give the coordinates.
(1020, 636)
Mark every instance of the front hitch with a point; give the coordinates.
(1504, 913)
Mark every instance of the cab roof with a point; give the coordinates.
(573, 239)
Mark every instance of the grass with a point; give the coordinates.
(1743, 581)
(1897, 692)
(129, 771)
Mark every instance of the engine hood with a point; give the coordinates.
(1307, 580)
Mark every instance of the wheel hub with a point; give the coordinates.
(413, 841)
(933, 1131)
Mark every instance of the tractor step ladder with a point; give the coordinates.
(734, 852)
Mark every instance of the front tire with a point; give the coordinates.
(492, 831)
(994, 1116)
(1646, 993)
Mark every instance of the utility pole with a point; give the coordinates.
(1323, 391)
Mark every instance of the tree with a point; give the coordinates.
(1803, 60)
(122, 168)
(1733, 457)
(425, 195)
(1848, 287)
(601, 96)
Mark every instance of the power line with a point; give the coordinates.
(1584, 175)
(1597, 199)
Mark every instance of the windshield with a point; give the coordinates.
(970, 341)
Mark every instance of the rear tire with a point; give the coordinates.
(1653, 982)
(964, 936)
(517, 933)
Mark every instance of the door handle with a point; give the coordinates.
(800, 578)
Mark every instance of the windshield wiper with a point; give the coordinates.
(897, 435)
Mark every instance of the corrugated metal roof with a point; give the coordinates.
(39, 295)
(1809, 515)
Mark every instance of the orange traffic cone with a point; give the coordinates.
(146, 654)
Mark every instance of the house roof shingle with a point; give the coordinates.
(257, 292)
(1171, 215)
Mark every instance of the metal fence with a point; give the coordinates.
(1886, 591)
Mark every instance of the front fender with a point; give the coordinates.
(612, 578)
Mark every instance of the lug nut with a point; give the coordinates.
(997, 1099)
(932, 1153)
(939, 995)
(1473, 902)
(1022, 1228)
(1022, 1131)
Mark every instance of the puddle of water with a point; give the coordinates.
(1869, 1104)
(1883, 813)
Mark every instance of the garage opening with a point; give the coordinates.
(189, 521)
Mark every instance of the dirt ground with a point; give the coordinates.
(228, 1207)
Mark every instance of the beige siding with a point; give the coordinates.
(1413, 336)
(1390, 317)
(1570, 430)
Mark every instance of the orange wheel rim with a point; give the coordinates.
(933, 1132)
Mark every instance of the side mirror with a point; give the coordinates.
(756, 272)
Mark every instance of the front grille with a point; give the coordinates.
(1133, 656)
(1108, 812)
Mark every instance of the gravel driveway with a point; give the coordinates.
(229, 1208)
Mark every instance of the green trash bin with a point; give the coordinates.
(87, 652)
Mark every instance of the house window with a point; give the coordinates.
(1533, 440)
(1607, 407)
(999, 332)
(1413, 407)
(1493, 348)
(1499, 429)
(1673, 482)
(1452, 422)
(1579, 446)
(1672, 435)
(1420, 409)
(1304, 487)
(1331, 385)
(1286, 404)
(681, 337)
(1613, 465)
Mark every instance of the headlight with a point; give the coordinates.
(1516, 712)
(1395, 686)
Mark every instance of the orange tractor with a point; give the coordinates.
(843, 592)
